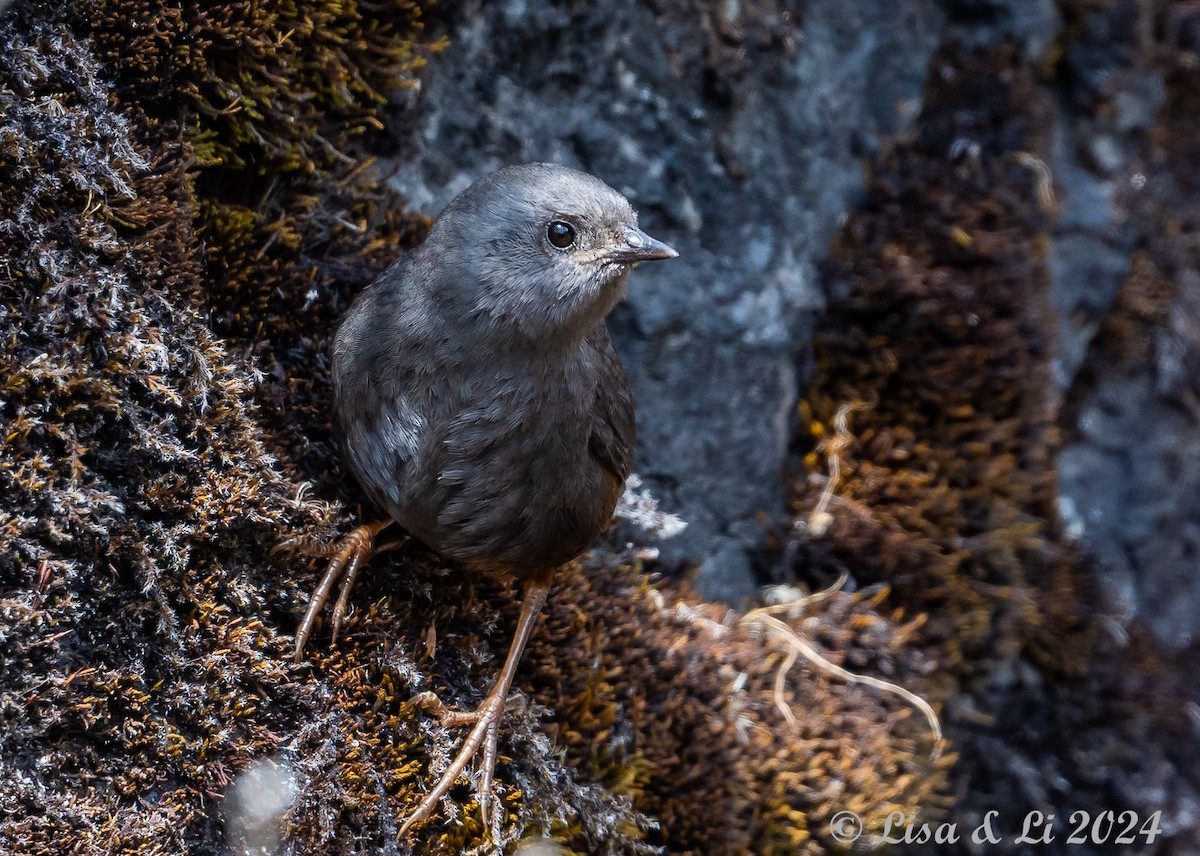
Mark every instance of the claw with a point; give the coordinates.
(358, 551)
(484, 734)
(486, 719)
(348, 555)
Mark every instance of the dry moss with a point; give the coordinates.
(940, 341)
(189, 202)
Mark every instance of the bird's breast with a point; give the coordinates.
(505, 478)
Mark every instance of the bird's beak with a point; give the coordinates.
(640, 247)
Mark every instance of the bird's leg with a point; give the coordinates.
(346, 556)
(486, 718)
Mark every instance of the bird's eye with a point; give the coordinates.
(560, 234)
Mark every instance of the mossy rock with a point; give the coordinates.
(190, 203)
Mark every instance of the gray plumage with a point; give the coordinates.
(479, 398)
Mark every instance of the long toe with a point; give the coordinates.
(307, 545)
(348, 554)
(483, 736)
(360, 551)
(449, 717)
(484, 790)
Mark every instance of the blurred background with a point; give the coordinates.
(974, 225)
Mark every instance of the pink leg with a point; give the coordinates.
(348, 554)
(486, 718)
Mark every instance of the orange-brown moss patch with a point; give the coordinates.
(188, 205)
(931, 435)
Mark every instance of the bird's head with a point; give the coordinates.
(543, 249)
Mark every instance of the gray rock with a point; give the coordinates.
(1130, 477)
(1086, 272)
(1032, 24)
(1132, 483)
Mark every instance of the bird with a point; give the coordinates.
(481, 404)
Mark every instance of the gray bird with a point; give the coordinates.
(481, 403)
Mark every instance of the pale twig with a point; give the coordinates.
(781, 632)
(820, 518)
(780, 679)
(1043, 178)
(795, 600)
(794, 646)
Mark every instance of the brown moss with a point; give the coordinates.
(768, 784)
(931, 435)
(940, 337)
(666, 703)
(267, 99)
(183, 231)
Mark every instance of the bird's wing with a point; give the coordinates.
(379, 419)
(380, 432)
(612, 436)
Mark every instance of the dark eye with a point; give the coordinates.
(560, 234)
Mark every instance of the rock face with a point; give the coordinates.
(1130, 473)
(738, 132)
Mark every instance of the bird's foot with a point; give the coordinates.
(345, 558)
(486, 721)
(485, 718)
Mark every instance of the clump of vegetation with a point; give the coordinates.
(934, 393)
(188, 203)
